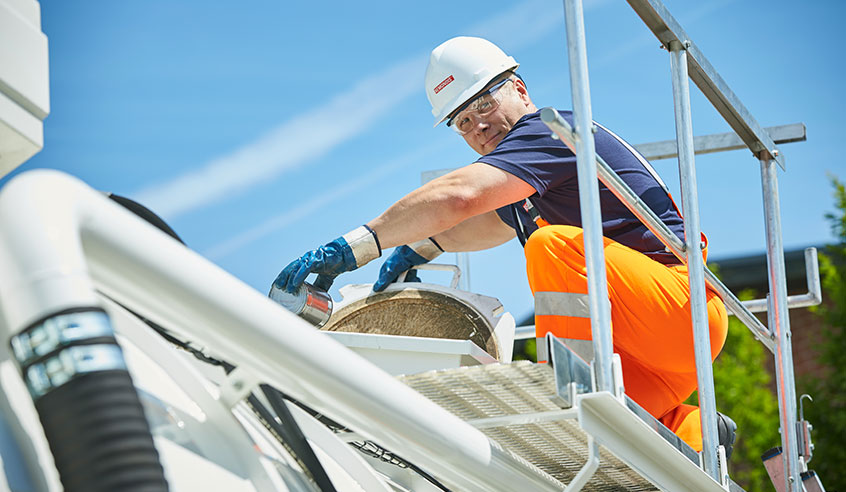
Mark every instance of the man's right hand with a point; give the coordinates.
(404, 258)
(348, 252)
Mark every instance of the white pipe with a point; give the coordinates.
(51, 223)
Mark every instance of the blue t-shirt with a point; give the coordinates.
(529, 152)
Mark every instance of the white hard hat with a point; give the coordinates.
(458, 69)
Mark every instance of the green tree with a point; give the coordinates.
(828, 411)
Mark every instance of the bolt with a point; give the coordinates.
(775, 152)
(555, 136)
(238, 385)
(593, 129)
(791, 479)
(686, 44)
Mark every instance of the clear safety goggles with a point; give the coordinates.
(473, 112)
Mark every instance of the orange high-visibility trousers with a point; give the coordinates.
(650, 318)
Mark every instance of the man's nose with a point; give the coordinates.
(481, 126)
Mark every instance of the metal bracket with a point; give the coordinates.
(588, 469)
(803, 432)
(724, 471)
(237, 385)
(572, 374)
(812, 298)
(617, 373)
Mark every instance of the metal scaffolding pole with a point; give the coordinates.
(779, 322)
(695, 262)
(600, 306)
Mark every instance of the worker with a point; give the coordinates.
(524, 184)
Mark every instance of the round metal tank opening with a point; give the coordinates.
(416, 313)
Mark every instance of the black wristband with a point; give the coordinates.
(436, 244)
(376, 238)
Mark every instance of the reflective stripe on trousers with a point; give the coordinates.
(559, 304)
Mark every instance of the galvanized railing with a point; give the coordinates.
(686, 62)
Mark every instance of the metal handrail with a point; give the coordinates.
(687, 62)
(719, 142)
(642, 211)
(665, 27)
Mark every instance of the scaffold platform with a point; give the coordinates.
(521, 407)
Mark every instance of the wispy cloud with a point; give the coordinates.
(344, 117)
(306, 209)
(304, 138)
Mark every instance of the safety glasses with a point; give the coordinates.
(472, 113)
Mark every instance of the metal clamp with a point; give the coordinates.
(59, 331)
(43, 377)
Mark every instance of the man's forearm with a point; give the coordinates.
(476, 233)
(443, 203)
(422, 213)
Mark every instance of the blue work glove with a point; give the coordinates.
(404, 258)
(350, 251)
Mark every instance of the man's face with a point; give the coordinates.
(489, 129)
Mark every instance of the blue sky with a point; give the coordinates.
(262, 129)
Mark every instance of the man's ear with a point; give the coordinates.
(523, 91)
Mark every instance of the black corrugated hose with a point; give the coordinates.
(89, 409)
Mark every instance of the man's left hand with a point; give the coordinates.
(405, 257)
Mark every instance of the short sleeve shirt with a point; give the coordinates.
(530, 153)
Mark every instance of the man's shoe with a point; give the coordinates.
(726, 431)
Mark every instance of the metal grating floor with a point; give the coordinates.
(559, 447)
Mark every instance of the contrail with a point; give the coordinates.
(349, 114)
(304, 138)
(280, 221)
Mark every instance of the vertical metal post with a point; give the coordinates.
(463, 260)
(695, 262)
(600, 306)
(779, 321)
